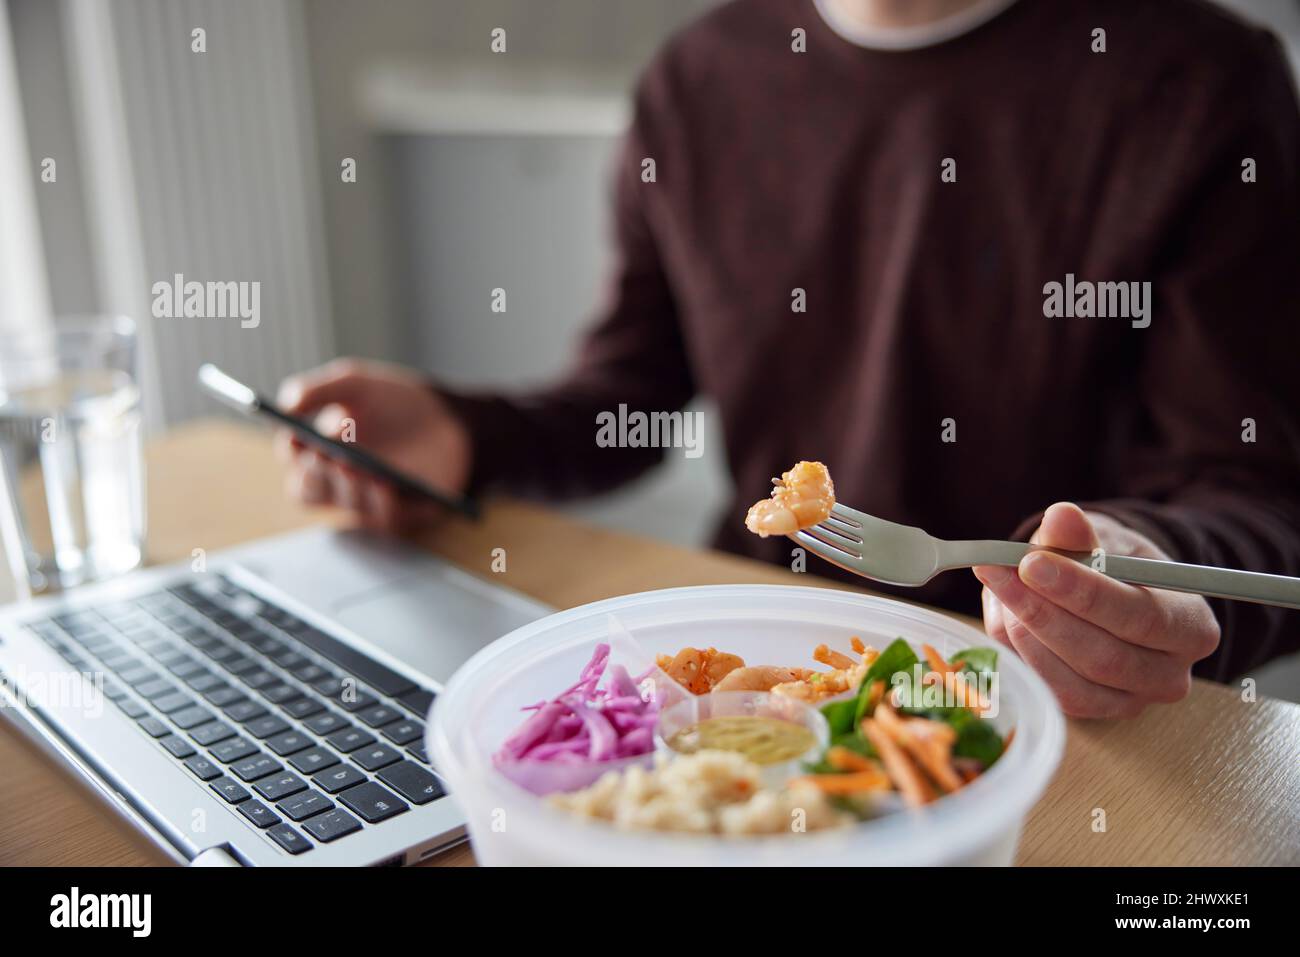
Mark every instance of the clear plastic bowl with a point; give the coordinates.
(765, 625)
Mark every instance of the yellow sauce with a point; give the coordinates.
(762, 740)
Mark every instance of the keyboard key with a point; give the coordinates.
(337, 778)
(222, 696)
(209, 734)
(280, 692)
(378, 715)
(373, 802)
(418, 785)
(419, 751)
(170, 703)
(419, 701)
(304, 805)
(331, 825)
(265, 727)
(314, 759)
(326, 723)
(132, 708)
(310, 673)
(137, 675)
(255, 767)
(229, 789)
(349, 739)
(178, 746)
(204, 768)
(230, 659)
(353, 661)
(113, 691)
(170, 658)
(244, 710)
(155, 688)
(288, 838)
(290, 659)
(259, 813)
(205, 681)
(279, 786)
(289, 742)
(403, 732)
(257, 678)
(189, 670)
(188, 718)
(222, 654)
(232, 750)
(375, 756)
(355, 701)
(302, 708)
(330, 686)
(154, 727)
(269, 646)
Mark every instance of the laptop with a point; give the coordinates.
(268, 710)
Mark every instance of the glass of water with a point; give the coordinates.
(71, 462)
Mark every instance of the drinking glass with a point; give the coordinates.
(71, 462)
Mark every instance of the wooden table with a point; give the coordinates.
(1211, 780)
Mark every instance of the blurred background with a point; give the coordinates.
(474, 170)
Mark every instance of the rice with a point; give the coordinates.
(709, 792)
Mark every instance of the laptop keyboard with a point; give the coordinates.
(307, 738)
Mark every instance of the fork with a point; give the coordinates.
(904, 555)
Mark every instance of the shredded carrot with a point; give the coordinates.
(1006, 742)
(876, 692)
(845, 784)
(833, 659)
(856, 644)
(928, 742)
(936, 660)
(916, 790)
(844, 759)
(964, 692)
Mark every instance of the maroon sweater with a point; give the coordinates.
(821, 171)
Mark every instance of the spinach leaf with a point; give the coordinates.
(978, 660)
(841, 716)
(855, 743)
(977, 739)
(898, 656)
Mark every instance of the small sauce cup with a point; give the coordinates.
(757, 704)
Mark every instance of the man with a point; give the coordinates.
(977, 256)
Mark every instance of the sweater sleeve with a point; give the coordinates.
(544, 443)
(1211, 472)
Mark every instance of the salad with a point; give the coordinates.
(705, 743)
(900, 729)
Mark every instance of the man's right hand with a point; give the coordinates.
(390, 412)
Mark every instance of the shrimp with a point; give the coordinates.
(699, 670)
(801, 498)
(847, 675)
(761, 678)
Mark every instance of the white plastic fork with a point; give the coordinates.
(903, 555)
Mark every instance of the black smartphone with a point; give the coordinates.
(235, 394)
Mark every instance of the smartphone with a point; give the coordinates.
(235, 394)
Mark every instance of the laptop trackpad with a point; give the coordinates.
(432, 624)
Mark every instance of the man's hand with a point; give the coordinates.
(1108, 649)
(390, 412)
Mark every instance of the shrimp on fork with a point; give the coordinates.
(801, 498)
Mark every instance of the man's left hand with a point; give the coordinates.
(1108, 649)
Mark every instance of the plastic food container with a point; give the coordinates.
(478, 709)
